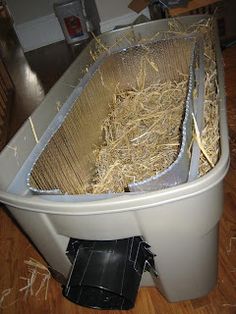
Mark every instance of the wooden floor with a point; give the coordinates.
(15, 247)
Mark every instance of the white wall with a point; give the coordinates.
(27, 10)
(116, 12)
(109, 9)
(35, 23)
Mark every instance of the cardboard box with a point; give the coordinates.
(139, 5)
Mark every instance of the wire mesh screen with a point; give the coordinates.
(68, 162)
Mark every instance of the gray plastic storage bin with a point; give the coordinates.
(179, 223)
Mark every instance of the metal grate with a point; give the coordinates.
(66, 163)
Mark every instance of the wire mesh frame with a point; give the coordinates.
(68, 106)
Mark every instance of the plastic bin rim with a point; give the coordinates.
(35, 203)
(198, 17)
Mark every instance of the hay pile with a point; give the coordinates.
(210, 137)
(142, 132)
(142, 135)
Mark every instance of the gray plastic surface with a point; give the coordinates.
(180, 223)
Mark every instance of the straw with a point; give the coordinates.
(141, 139)
(122, 173)
(33, 130)
(208, 142)
(36, 282)
(36, 271)
(142, 131)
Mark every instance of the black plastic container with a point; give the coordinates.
(107, 274)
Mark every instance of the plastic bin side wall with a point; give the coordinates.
(187, 265)
(187, 250)
(183, 235)
(194, 215)
(42, 233)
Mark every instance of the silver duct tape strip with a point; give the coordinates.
(198, 104)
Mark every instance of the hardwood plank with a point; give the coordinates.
(192, 5)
